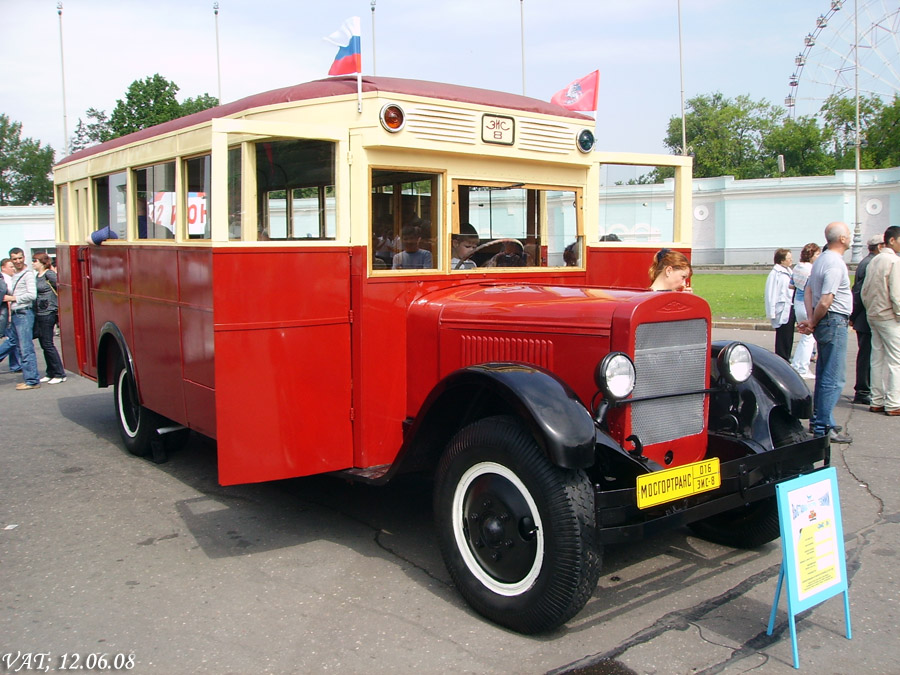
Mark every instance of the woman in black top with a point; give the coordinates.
(46, 316)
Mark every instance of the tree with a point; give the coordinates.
(804, 146)
(92, 133)
(724, 135)
(24, 167)
(839, 115)
(147, 102)
(883, 136)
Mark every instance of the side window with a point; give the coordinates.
(515, 226)
(295, 188)
(155, 205)
(109, 192)
(62, 209)
(235, 210)
(404, 220)
(197, 172)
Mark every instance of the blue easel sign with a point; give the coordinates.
(812, 539)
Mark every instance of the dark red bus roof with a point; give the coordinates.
(339, 86)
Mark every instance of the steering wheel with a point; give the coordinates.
(487, 244)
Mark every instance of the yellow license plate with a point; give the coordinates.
(667, 486)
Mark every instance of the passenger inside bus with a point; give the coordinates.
(462, 245)
(412, 257)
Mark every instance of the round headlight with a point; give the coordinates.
(735, 363)
(585, 140)
(614, 376)
(392, 117)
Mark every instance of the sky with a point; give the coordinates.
(730, 46)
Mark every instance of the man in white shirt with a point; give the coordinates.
(10, 346)
(881, 298)
(21, 295)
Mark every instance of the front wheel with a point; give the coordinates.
(137, 424)
(517, 533)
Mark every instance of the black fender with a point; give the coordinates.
(559, 421)
(773, 388)
(111, 338)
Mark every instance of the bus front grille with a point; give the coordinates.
(669, 358)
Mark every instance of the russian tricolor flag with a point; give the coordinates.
(348, 59)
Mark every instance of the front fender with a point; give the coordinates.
(559, 421)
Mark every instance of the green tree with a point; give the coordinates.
(839, 116)
(883, 136)
(198, 103)
(804, 146)
(724, 135)
(95, 131)
(24, 167)
(147, 102)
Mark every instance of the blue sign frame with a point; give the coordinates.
(812, 540)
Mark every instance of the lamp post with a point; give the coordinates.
(856, 248)
(684, 148)
(62, 67)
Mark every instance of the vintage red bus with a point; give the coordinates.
(420, 279)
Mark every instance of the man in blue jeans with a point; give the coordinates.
(21, 294)
(828, 305)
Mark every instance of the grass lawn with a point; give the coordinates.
(732, 296)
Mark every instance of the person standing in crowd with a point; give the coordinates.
(828, 306)
(860, 324)
(881, 298)
(806, 343)
(780, 303)
(46, 317)
(21, 295)
(10, 346)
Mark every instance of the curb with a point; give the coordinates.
(743, 325)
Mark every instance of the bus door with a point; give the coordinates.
(281, 310)
(83, 314)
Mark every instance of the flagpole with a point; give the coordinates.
(374, 72)
(522, 32)
(684, 150)
(218, 64)
(62, 68)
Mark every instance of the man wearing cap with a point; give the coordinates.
(881, 297)
(861, 326)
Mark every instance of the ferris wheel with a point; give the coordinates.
(826, 66)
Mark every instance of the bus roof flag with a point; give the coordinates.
(348, 59)
(581, 95)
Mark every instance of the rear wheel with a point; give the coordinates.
(516, 532)
(137, 424)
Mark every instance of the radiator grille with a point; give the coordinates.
(478, 349)
(669, 358)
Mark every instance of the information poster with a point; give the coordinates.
(812, 539)
(814, 530)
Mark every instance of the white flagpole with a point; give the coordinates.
(62, 67)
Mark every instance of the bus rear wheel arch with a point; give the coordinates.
(137, 424)
(516, 532)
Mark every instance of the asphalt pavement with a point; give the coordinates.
(162, 570)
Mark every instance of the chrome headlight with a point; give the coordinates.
(614, 376)
(735, 363)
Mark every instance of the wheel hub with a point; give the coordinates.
(500, 528)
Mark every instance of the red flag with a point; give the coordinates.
(581, 94)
